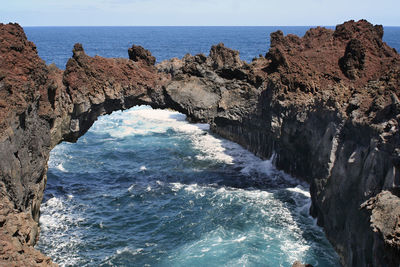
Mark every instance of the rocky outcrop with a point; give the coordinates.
(41, 106)
(24, 145)
(326, 104)
(385, 221)
(98, 86)
(353, 61)
(137, 53)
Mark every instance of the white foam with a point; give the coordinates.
(61, 167)
(131, 188)
(300, 190)
(143, 168)
(143, 120)
(123, 131)
(176, 186)
(57, 218)
(129, 250)
(193, 188)
(240, 239)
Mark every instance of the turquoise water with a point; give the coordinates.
(145, 188)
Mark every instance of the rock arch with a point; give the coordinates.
(339, 134)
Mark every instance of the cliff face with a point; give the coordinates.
(24, 146)
(326, 104)
(41, 106)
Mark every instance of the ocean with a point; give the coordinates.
(143, 187)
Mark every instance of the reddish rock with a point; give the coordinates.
(40, 106)
(353, 61)
(137, 53)
(326, 104)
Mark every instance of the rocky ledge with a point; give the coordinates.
(325, 104)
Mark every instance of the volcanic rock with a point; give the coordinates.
(326, 104)
(136, 53)
(353, 60)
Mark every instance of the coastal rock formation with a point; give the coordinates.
(41, 106)
(325, 104)
(385, 220)
(24, 146)
(137, 53)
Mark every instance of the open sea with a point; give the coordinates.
(146, 188)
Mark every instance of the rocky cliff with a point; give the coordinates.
(326, 104)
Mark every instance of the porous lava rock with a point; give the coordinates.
(136, 53)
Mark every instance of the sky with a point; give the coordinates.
(198, 12)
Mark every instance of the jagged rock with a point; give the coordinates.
(40, 106)
(226, 62)
(18, 233)
(136, 53)
(223, 57)
(338, 133)
(385, 221)
(352, 63)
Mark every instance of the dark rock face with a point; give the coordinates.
(385, 221)
(352, 63)
(137, 53)
(326, 104)
(25, 83)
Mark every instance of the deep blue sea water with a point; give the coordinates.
(146, 188)
(55, 43)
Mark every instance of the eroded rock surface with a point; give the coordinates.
(385, 221)
(138, 53)
(41, 106)
(326, 104)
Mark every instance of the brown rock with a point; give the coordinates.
(325, 104)
(352, 63)
(137, 53)
(223, 57)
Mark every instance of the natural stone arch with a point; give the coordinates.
(339, 134)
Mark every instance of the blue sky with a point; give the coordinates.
(197, 12)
